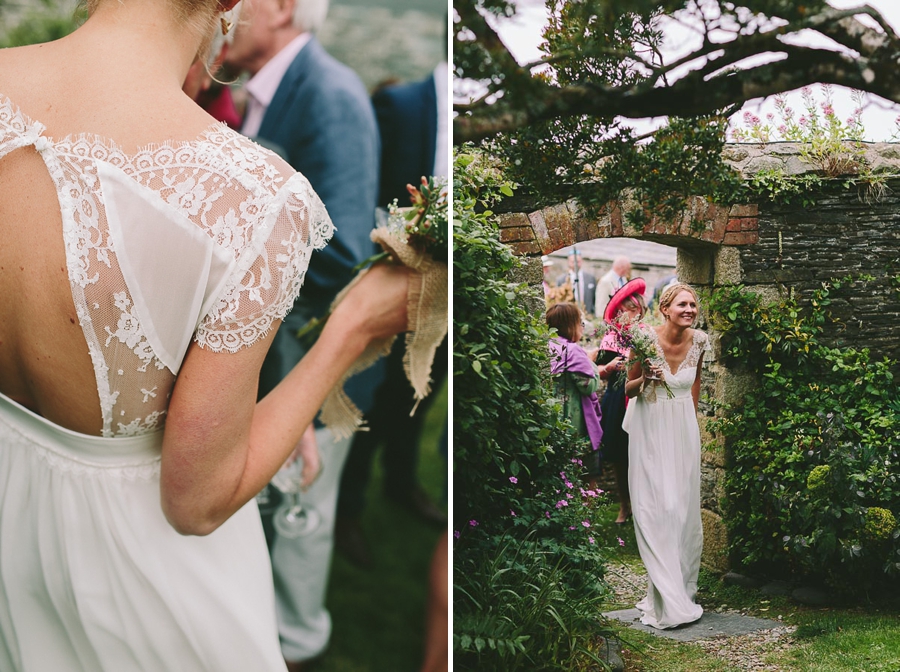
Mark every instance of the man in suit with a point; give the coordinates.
(412, 121)
(318, 112)
(583, 283)
(616, 277)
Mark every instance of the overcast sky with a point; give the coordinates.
(522, 36)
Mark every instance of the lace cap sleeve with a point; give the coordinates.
(270, 269)
(702, 341)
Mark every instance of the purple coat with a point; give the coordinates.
(566, 356)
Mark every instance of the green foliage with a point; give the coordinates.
(536, 625)
(517, 490)
(40, 26)
(880, 524)
(563, 122)
(813, 450)
(829, 146)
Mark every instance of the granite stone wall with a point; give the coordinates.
(850, 232)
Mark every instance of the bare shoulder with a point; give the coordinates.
(20, 68)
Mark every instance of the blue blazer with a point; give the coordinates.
(323, 121)
(407, 121)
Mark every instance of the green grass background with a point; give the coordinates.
(379, 614)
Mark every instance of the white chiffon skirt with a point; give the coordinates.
(92, 576)
(664, 481)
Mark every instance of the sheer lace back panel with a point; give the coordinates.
(206, 240)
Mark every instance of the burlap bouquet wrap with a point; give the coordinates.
(427, 326)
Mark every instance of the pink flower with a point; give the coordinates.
(561, 503)
(591, 539)
(547, 513)
(456, 534)
(513, 479)
(512, 513)
(569, 484)
(621, 541)
(473, 523)
(803, 121)
(571, 527)
(586, 523)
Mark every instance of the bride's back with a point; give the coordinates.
(80, 85)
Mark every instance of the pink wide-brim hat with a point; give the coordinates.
(629, 289)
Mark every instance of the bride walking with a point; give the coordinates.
(148, 255)
(664, 469)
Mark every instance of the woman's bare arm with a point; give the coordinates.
(220, 448)
(635, 381)
(695, 388)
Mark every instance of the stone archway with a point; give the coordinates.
(706, 238)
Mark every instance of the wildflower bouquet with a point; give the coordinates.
(641, 348)
(422, 227)
(417, 237)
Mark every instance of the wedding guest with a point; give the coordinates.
(611, 281)
(664, 454)
(583, 283)
(576, 378)
(318, 111)
(413, 126)
(626, 307)
(213, 96)
(149, 254)
(547, 265)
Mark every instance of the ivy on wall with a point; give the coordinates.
(813, 473)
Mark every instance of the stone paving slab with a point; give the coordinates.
(710, 625)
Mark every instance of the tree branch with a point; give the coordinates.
(689, 96)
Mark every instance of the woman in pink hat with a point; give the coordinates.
(626, 306)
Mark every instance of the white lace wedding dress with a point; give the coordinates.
(206, 240)
(664, 480)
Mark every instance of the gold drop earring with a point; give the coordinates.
(227, 24)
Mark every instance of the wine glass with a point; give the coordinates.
(292, 519)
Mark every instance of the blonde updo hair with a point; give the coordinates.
(670, 292)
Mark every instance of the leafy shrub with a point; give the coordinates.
(813, 453)
(521, 513)
(536, 624)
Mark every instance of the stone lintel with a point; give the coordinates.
(541, 235)
(742, 238)
(516, 234)
(526, 249)
(559, 224)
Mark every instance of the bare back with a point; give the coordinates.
(76, 343)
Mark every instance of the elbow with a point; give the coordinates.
(189, 519)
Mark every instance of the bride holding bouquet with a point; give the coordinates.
(664, 454)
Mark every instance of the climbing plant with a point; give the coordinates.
(813, 480)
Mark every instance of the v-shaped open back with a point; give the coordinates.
(204, 240)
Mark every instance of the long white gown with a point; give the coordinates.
(664, 479)
(205, 240)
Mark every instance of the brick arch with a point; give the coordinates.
(703, 224)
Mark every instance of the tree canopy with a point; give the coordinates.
(561, 121)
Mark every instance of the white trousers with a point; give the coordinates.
(300, 566)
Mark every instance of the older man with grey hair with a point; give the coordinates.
(616, 277)
(317, 112)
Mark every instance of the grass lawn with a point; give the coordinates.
(379, 614)
(863, 638)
